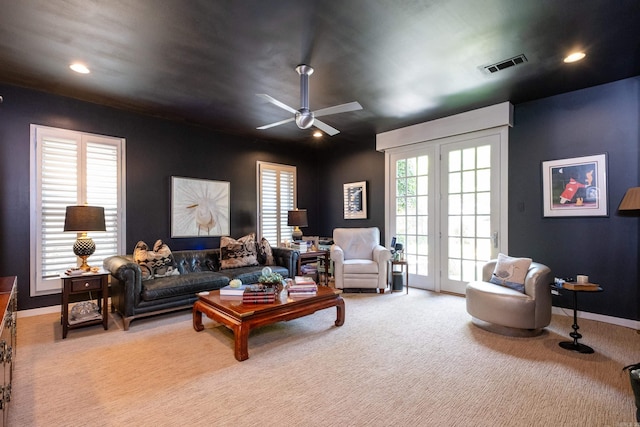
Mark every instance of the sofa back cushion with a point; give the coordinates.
(198, 260)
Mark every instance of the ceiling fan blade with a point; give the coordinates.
(276, 102)
(331, 131)
(342, 108)
(281, 122)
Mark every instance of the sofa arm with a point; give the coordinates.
(287, 258)
(129, 275)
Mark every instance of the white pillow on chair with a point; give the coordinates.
(510, 272)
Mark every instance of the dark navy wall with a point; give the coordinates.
(603, 119)
(155, 150)
(352, 162)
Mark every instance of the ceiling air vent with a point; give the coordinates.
(498, 66)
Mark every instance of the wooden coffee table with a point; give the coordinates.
(241, 318)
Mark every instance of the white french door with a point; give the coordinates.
(413, 217)
(447, 207)
(470, 210)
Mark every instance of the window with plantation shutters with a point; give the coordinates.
(276, 196)
(72, 168)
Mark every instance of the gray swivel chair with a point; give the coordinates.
(507, 311)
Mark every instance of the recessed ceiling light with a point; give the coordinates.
(575, 56)
(79, 68)
(317, 134)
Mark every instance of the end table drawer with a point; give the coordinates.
(80, 285)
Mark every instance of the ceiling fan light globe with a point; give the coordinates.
(304, 119)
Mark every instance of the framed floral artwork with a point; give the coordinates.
(575, 186)
(199, 207)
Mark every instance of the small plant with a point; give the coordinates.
(269, 278)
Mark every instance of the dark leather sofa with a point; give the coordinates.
(199, 270)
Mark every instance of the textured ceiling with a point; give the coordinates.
(405, 62)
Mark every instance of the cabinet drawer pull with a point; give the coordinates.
(86, 285)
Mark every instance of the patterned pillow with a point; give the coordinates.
(265, 255)
(510, 272)
(156, 263)
(238, 253)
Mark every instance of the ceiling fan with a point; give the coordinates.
(304, 117)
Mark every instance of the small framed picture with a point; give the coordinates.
(355, 200)
(575, 186)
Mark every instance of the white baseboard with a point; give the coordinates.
(628, 323)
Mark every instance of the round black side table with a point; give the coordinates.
(575, 345)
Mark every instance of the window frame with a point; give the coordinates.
(283, 230)
(40, 285)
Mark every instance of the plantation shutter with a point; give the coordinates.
(72, 168)
(277, 196)
(59, 180)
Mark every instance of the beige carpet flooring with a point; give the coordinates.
(399, 360)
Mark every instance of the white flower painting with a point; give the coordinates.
(199, 207)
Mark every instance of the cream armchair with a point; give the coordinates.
(507, 311)
(359, 261)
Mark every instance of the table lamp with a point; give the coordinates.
(83, 219)
(297, 219)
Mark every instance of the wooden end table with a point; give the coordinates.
(241, 318)
(311, 256)
(84, 283)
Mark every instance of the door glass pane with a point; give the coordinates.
(484, 203)
(484, 157)
(455, 182)
(455, 163)
(469, 159)
(483, 179)
(423, 205)
(423, 185)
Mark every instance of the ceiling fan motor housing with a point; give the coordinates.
(304, 118)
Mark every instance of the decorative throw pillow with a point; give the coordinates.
(154, 263)
(265, 255)
(238, 253)
(510, 272)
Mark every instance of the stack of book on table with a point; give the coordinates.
(299, 246)
(301, 286)
(232, 292)
(254, 294)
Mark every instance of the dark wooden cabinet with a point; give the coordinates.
(9, 311)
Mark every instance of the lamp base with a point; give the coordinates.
(84, 247)
(297, 233)
(84, 266)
